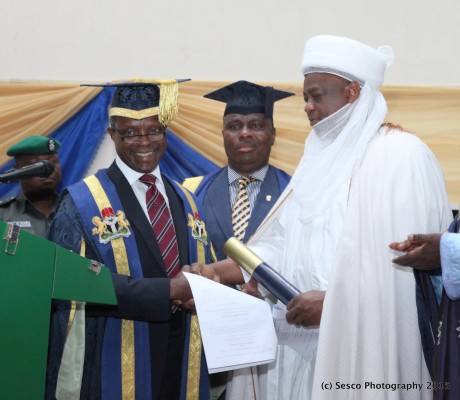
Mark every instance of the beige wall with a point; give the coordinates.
(261, 40)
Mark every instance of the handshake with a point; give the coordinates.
(224, 272)
(304, 309)
(181, 293)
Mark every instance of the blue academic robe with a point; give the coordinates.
(161, 338)
(213, 193)
(442, 350)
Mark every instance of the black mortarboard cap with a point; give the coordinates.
(139, 99)
(245, 97)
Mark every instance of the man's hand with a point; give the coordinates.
(306, 308)
(422, 251)
(179, 291)
(207, 271)
(251, 288)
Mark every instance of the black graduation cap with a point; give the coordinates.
(141, 98)
(245, 97)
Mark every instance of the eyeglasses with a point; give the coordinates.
(131, 137)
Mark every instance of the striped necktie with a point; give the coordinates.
(241, 210)
(162, 225)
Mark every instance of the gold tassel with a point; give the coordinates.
(169, 90)
(167, 109)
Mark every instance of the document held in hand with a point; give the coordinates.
(237, 329)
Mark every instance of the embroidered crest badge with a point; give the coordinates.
(198, 228)
(110, 226)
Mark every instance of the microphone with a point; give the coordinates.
(261, 271)
(42, 168)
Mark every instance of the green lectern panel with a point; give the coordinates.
(36, 272)
(27, 282)
(74, 280)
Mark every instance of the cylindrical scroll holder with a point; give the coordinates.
(261, 271)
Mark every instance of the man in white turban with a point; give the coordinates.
(360, 184)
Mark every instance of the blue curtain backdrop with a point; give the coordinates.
(82, 134)
(180, 161)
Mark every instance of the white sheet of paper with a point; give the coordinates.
(301, 339)
(237, 329)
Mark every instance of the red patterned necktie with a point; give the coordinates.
(162, 225)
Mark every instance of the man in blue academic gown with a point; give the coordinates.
(249, 134)
(145, 347)
(236, 198)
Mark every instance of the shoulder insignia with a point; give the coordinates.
(6, 202)
(110, 226)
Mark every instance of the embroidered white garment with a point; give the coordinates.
(355, 190)
(369, 329)
(303, 254)
(299, 239)
(403, 182)
(243, 384)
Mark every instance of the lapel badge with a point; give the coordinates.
(268, 197)
(198, 228)
(110, 226)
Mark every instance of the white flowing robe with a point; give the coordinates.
(303, 254)
(369, 328)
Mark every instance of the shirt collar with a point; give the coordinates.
(24, 203)
(258, 175)
(133, 176)
(21, 199)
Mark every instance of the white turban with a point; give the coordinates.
(325, 165)
(347, 58)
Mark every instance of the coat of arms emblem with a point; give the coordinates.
(110, 226)
(198, 228)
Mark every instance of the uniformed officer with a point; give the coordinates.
(34, 208)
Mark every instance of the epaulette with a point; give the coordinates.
(6, 202)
